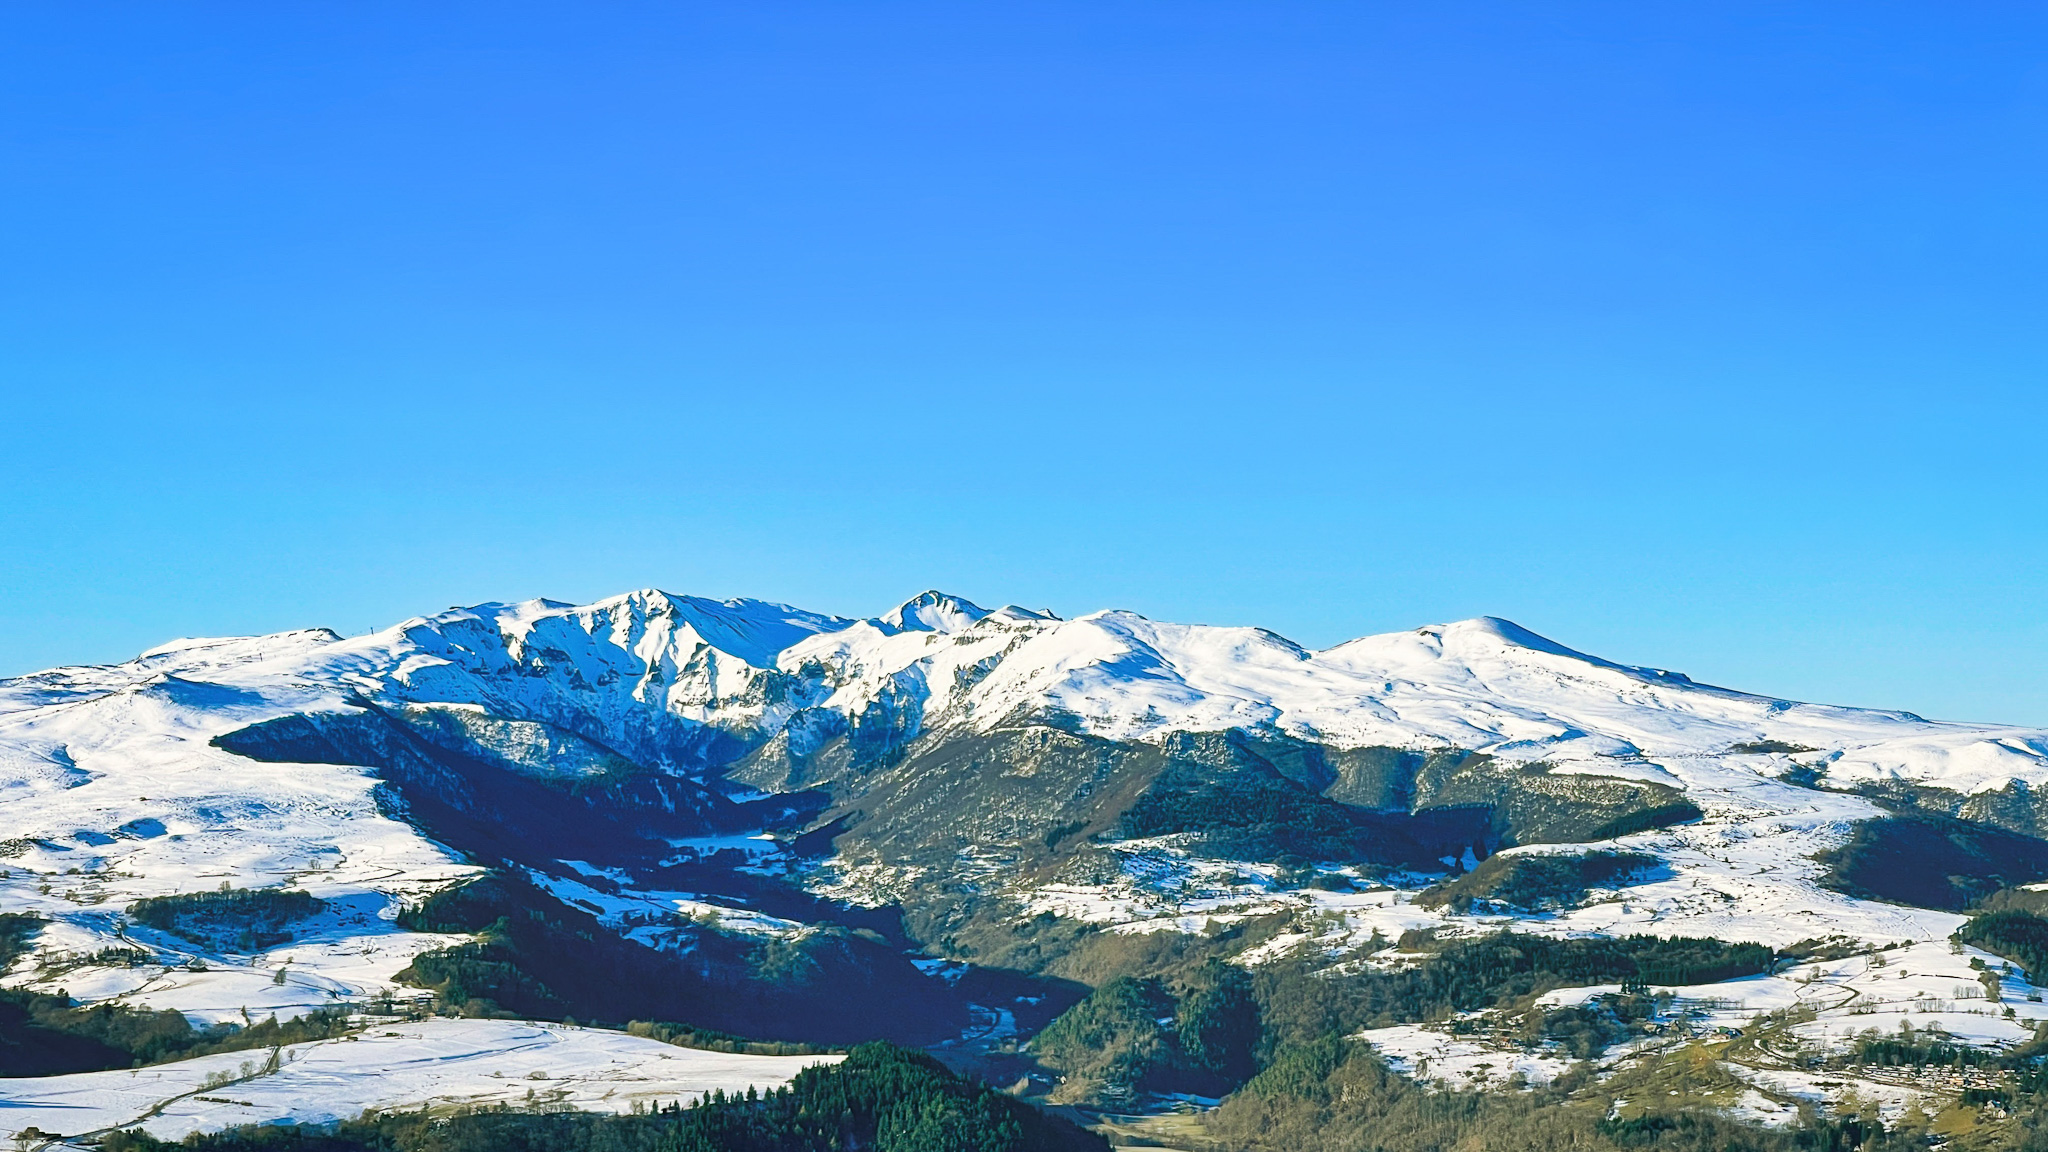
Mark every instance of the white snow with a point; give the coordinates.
(436, 1063)
(111, 793)
(1456, 1062)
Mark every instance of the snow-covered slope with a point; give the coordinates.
(110, 790)
(1485, 685)
(657, 676)
(112, 764)
(686, 680)
(441, 1064)
(113, 787)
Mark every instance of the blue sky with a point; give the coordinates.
(1710, 337)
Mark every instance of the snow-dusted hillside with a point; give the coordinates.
(673, 681)
(440, 1064)
(108, 771)
(652, 675)
(142, 779)
(644, 671)
(110, 792)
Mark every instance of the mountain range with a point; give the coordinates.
(956, 826)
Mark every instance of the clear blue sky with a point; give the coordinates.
(1704, 336)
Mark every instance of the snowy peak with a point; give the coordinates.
(753, 630)
(183, 646)
(1495, 630)
(1481, 637)
(688, 680)
(1473, 647)
(1012, 614)
(933, 611)
(1508, 632)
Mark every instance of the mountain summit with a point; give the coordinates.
(933, 611)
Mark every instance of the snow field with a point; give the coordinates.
(440, 1064)
(110, 793)
(1460, 1062)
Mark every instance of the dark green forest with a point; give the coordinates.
(2021, 937)
(1301, 1004)
(234, 919)
(1933, 861)
(1140, 1033)
(542, 959)
(1535, 882)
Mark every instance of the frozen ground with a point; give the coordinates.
(432, 1064)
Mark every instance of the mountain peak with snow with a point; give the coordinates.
(934, 611)
(655, 759)
(661, 677)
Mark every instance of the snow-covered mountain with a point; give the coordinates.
(751, 669)
(694, 682)
(1006, 762)
(687, 688)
